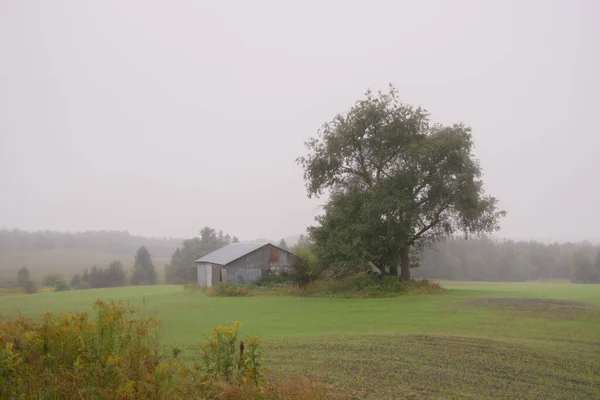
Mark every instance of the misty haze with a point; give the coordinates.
(370, 200)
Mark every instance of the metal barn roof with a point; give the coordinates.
(230, 252)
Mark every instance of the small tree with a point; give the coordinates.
(30, 287)
(52, 279)
(304, 265)
(583, 269)
(23, 277)
(144, 272)
(116, 275)
(97, 277)
(283, 245)
(25, 282)
(61, 286)
(76, 280)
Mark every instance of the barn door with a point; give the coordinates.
(209, 278)
(223, 274)
(201, 275)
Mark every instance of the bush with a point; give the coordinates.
(305, 268)
(112, 356)
(270, 278)
(61, 286)
(369, 286)
(226, 289)
(82, 286)
(30, 287)
(52, 279)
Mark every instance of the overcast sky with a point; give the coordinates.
(160, 117)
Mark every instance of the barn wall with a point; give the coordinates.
(243, 275)
(216, 274)
(249, 268)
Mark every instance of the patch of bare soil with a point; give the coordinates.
(543, 308)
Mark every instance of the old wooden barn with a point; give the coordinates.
(241, 263)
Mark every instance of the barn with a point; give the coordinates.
(241, 263)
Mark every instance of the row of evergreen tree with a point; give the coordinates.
(143, 273)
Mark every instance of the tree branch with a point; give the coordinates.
(434, 222)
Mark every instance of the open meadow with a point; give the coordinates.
(476, 340)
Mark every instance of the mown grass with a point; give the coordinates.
(418, 346)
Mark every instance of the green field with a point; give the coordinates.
(477, 340)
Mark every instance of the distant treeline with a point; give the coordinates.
(477, 259)
(484, 259)
(115, 242)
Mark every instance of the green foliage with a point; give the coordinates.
(270, 278)
(116, 275)
(584, 271)
(23, 277)
(370, 286)
(25, 282)
(30, 287)
(111, 356)
(144, 272)
(486, 259)
(52, 279)
(98, 277)
(228, 289)
(61, 286)
(182, 268)
(227, 358)
(305, 268)
(81, 286)
(117, 355)
(399, 183)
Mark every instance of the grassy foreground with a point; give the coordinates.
(477, 340)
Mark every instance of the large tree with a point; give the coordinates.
(397, 183)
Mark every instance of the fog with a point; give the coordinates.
(161, 117)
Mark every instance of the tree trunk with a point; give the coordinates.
(404, 265)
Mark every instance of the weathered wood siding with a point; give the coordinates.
(264, 257)
(250, 267)
(202, 274)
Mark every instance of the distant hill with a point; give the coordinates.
(67, 253)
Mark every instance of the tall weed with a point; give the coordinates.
(232, 360)
(117, 355)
